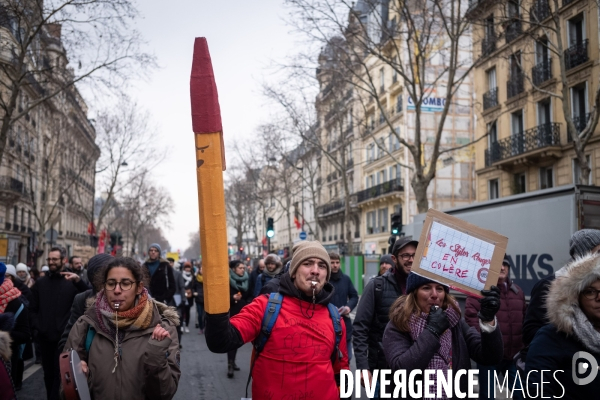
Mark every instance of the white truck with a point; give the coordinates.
(538, 226)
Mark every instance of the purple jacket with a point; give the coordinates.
(510, 317)
(401, 352)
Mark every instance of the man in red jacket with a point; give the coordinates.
(296, 361)
(510, 320)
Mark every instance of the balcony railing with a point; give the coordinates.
(490, 98)
(539, 11)
(542, 72)
(11, 184)
(513, 30)
(576, 54)
(394, 185)
(488, 46)
(535, 138)
(580, 122)
(514, 85)
(331, 207)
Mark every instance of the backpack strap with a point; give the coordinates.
(378, 281)
(91, 332)
(19, 311)
(337, 327)
(269, 319)
(271, 314)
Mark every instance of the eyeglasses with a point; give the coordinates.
(52, 259)
(591, 293)
(111, 284)
(406, 256)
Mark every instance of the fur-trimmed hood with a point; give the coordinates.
(166, 312)
(563, 297)
(5, 342)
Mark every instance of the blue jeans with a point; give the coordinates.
(505, 367)
(200, 308)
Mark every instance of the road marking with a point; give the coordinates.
(30, 371)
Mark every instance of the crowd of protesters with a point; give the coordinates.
(297, 312)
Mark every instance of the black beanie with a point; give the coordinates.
(415, 281)
(96, 263)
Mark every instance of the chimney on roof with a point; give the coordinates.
(54, 30)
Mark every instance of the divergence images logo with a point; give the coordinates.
(582, 368)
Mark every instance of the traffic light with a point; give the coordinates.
(270, 230)
(396, 226)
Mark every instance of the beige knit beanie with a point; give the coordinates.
(309, 249)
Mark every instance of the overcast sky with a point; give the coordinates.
(243, 37)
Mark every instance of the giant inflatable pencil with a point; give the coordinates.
(210, 164)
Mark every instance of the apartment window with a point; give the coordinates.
(576, 30)
(394, 142)
(493, 189)
(29, 219)
(492, 134)
(383, 174)
(546, 178)
(520, 183)
(381, 80)
(514, 85)
(383, 219)
(489, 28)
(370, 222)
(370, 152)
(491, 78)
(394, 70)
(399, 103)
(579, 106)
(516, 119)
(380, 148)
(22, 218)
(542, 53)
(577, 171)
(349, 119)
(544, 112)
(15, 215)
(394, 172)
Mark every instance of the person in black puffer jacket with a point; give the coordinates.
(95, 264)
(53, 297)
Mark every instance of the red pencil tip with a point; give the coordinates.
(206, 113)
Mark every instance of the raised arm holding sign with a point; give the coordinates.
(461, 255)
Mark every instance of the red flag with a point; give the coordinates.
(264, 241)
(298, 224)
(91, 228)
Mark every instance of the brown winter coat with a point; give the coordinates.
(510, 317)
(148, 369)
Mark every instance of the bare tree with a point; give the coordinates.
(144, 206)
(60, 168)
(127, 151)
(37, 36)
(238, 192)
(425, 43)
(193, 250)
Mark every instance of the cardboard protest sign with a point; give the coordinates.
(456, 253)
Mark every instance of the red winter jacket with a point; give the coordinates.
(510, 317)
(296, 360)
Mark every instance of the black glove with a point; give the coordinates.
(490, 304)
(437, 321)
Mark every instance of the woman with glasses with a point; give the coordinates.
(573, 305)
(127, 341)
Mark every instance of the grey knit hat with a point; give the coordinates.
(309, 249)
(583, 241)
(156, 246)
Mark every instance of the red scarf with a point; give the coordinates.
(7, 293)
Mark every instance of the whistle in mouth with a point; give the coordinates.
(117, 306)
(313, 284)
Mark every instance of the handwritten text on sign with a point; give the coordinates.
(457, 256)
